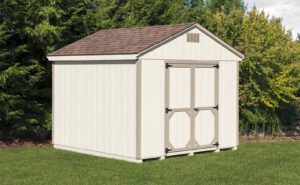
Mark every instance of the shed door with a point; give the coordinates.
(191, 107)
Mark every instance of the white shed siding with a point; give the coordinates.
(205, 127)
(205, 87)
(179, 87)
(152, 108)
(179, 49)
(228, 118)
(95, 107)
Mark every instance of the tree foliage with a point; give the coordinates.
(269, 75)
(25, 33)
(270, 72)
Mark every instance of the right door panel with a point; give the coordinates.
(206, 101)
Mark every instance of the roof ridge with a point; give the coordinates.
(149, 26)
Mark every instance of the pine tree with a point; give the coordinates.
(25, 34)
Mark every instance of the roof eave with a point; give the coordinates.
(92, 57)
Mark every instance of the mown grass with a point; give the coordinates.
(253, 163)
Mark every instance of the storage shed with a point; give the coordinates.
(147, 92)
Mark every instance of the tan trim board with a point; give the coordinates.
(95, 62)
(52, 103)
(238, 108)
(138, 108)
(192, 148)
(92, 57)
(189, 151)
(208, 62)
(194, 62)
(191, 109)
(193, 66)
(192, 141)
(217, 93)
(167, 116)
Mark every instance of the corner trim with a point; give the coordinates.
(52, 102)
(138, 109)
(237, 105)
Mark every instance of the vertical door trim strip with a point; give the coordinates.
(192, 142)
(167, 144)
(216, 139)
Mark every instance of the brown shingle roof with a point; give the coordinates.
(121, 41)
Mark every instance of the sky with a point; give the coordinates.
(288, 10)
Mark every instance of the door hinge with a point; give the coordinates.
(217, 66)
(168, 110)
(216, 144)
(168, 150)
(216, 107)
(168, 65)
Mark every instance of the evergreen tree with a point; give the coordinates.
(25, 34)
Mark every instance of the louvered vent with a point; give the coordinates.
(192, 37)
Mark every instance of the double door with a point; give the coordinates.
(191, 114)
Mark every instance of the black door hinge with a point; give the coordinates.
(217, 66)
(168, 65)
(216, 107)
(168, 110)
(168, 150)
(216, 144)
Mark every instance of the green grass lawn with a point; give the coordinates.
(253, 163)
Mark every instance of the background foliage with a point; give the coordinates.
(269, 75)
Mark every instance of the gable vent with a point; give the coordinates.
(192, 37)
